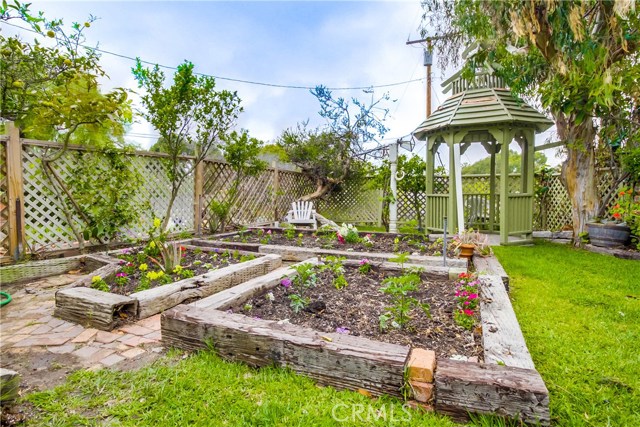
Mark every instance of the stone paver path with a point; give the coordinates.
(32, 341)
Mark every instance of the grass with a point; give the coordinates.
(203, 390)
(579, 312)
(580, 315)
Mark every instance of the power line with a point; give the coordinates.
(250, 82)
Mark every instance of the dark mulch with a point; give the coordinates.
(418, 244)
(358, 307)
(195, 261)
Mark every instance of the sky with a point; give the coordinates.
(341, 44)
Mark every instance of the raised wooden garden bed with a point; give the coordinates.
(506, 383)
(295, 250)
(103, 310)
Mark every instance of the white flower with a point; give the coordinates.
(269, 296)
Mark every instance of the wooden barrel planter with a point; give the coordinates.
(608, 235)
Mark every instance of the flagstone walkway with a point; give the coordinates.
(43, 349)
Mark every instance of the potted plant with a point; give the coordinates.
(470, 242)
(625, 221)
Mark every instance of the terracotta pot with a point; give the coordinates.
(608, 235)
(466, 250)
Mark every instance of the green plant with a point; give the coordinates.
(365, 266)
(401, 259)
(348, 233)
(247, 257)
(628, 210)
(298, 302)
(289, 231)
(98, 283)
(467, 299)
(402, 303)
(336, 266)
(299, 239)
(340, 282)
(396, 244)
(383, 321)
(306, 276)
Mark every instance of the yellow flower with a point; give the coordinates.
(143, 267)
(152, 244)
(157, 222)
(177, 269)
(96, 279)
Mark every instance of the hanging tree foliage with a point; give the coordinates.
(577, 59)
(329, 155)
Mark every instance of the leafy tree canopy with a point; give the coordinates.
(483, 166)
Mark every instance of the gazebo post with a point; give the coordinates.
(430, 161)
(504, 187)
(452, 215)
(492, 188)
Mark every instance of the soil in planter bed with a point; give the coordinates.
(192, 260)
(358, 306)
(414, 244)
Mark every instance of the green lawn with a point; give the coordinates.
(580, 314)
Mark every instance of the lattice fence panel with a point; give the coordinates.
(293, 185)
(46, 227)
(155, 192)
(353, 205)
(4, 202)
(258, 201)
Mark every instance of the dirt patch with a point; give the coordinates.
(368, 242)
(356, 310)
(139, 272)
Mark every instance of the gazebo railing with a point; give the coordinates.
(436, 211)
(519, 220)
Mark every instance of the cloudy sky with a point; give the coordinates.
(342, 44)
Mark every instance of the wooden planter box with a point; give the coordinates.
(35, 270)
(102, 310)
(455, 388)
(298, 253)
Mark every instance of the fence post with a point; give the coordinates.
(15, 192)
(276, 189)
(198, 190)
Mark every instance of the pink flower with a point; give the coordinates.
(473, 296)
(457, 293)
(466, 303)
(468, 312)
(340, 238)
(121, 274)
(286, 282)
(364, 261)
(269, 232)
(342, 330)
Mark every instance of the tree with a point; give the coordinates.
(53, 93)
(241, 153)
(190, 113)
(483, 166)
(578, 59)
(329, 155)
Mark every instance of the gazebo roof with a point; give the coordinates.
(485, 106)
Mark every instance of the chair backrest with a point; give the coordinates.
(302, 210)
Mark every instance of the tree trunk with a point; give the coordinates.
(579, 170)
(322, 188)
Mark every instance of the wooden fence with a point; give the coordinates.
(32, 220)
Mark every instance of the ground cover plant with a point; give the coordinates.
(579, 313)
(347, 238)
(400, 307)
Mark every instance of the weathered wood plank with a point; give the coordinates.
(342, 361)
(491, 266)
(247, 290)
(158, 299)
(463, 387)
(90, 307)
(104, 272)
(250, 247)
(430, 272)
(502, 338)
(295, 253)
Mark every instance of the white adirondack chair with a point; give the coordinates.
(302, 213)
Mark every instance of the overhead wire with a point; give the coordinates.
(250, 82)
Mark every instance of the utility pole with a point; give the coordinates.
(428, 62)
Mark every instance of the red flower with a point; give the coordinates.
(468, 312)
(617, 215)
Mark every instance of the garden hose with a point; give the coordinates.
(6, 298)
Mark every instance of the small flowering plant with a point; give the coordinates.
(98, 283)
(122, 278)
(367, 240)
(467, 299)
(627, 210)
(365, 266)
(348, 233)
